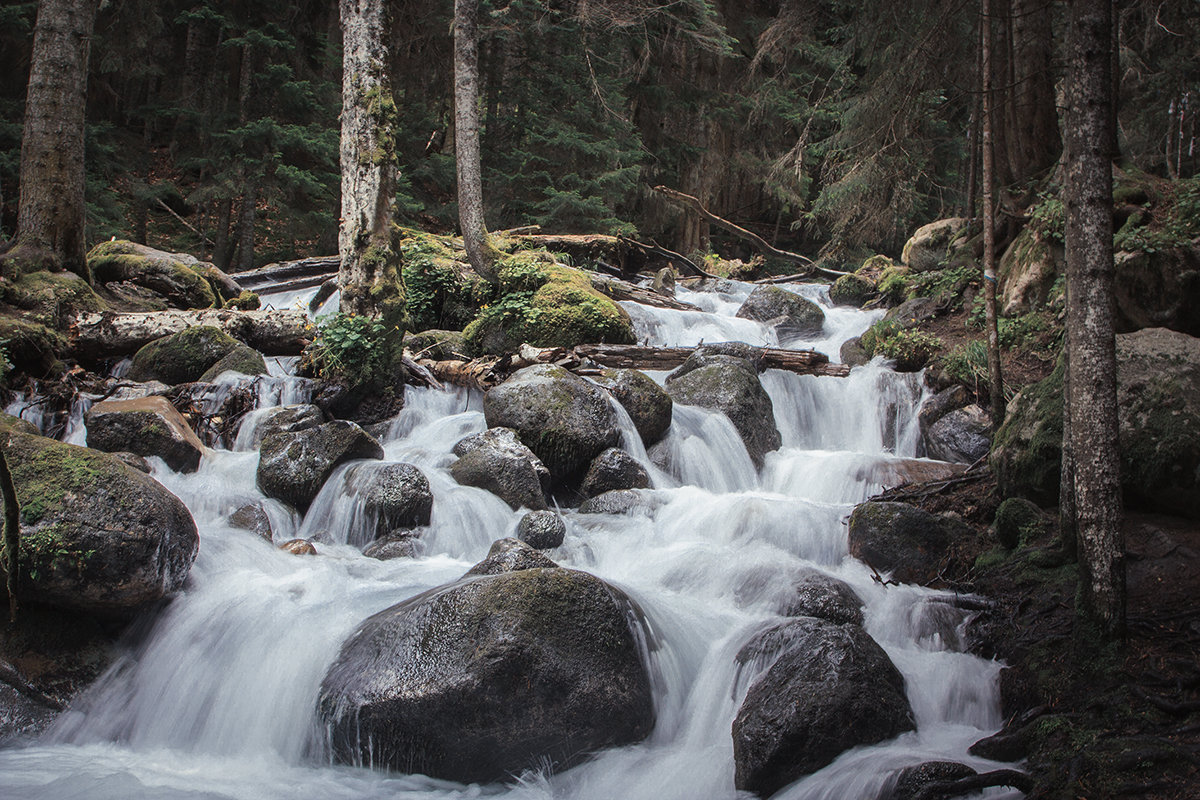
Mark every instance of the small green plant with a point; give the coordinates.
(350, 348)
(894, 284)
(910, 348)
(1173, 222)
(1047, 216)
(967, 364)
(950, 284)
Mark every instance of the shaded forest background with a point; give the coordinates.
(831, 128)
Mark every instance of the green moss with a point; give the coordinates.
(1027, 450)
(31, 346)
(851, 290)
(246, 301)
(183, 356)
(894, 284)
(163, 273)
(47, 475)
(51, 298)
(441, 289)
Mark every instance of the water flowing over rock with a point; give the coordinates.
(149, 426)
(511, 555)
(902, 539)
(485, 678)
(613, 469)
(795, 315)
(252, 517)
(242, 359)
(830, 688)
(731, 386)
(911, 782)
(398, 544)
(618, 501)
(815, 594)
(397, 496)
(543, 530)
(182, 357)
(280, 419)
(565, 420)
(496, 460)
(294, 465)
(97, 536)
(648, 405)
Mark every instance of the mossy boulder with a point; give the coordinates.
(437, 344)
(565, 420)
(496, 460)
(795, 315)
(1018, 521)
(50, 298)
(293, 466)
(906, 541)
(441, 289)
(182, 357)
(647, 403)
(182, 280)
(1026, 453)
(30, 346)
(147, 426)
(851, 290)
(828, 688)
(1028, 270)
(97, 536)
(730, 385)
(1160, 289)
(484, 678)
(242, 359)
(929, 247)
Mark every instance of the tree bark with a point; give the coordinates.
(94, 336)
(12, 537)
(466, 140)
(51, 211)
(245, 226)
(1091, 339)
(1033, 140)
(995, 377)
(366, 240)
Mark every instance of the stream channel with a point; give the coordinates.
(218, 699)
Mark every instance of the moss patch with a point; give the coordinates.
(182, 357)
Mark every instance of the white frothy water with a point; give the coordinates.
(218, 698)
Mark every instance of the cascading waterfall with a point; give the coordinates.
(218, 698)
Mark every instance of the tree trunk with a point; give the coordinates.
(245, 227)
(1091, 341)
(51, 211)
(466, 139)
(366, 240)
(996, 379)
(1033, 139)
(222, 253)
(105, 334)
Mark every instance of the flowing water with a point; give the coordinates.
(218, 699)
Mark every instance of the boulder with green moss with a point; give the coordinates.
(31, 347)
(647, 403)
(1159, 289)
(851, 290)
(1028, 270)
(441, 289)
(906, 541)
(242, 359)
(182, 280)
(796, 316)
(147, 426)
(930, 246)
(485, 678)
(1026, 453)
(182, 357)
(97, 536)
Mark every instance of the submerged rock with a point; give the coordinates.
(815, 594)
(299, 547)
(293, 466)
(613, 469)
(902, 539)
(543, 530)
(795, 315)
(148, 426)
(482, 679)
(829, 688)
(565, 420)
(397, 544)
(618, 501)
(497, 461)
(252, 517)
(647, 403)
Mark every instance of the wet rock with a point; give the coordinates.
(293, 466)
(647, 403)
(618, 501)
(497, 460)
(543, 530)
(96, 535)
(242, 359)
(852, 352)
(285, 419)
(613, 469)
(962, 436)
(851, 290)
(510, 555)
(182, 357)
(929, 247)
(565, 420)
(796, 316)
(664, 282)
(299, 547)
(22, 717)
(911, 782)
(252, 517)
(815, 594)
(731, 386)
(119, 389)
(396, 496)
(133, 460)
(479, 680)
(902, 539)
(942, 404)
(149, 426)
(397, 544)
(830, 688)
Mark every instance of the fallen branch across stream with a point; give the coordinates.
(107, 333)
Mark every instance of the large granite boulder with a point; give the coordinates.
(293, 466)
(565, 420)
(182, 357)
(97, 536)
(148, 426)
(496, 460)
(731, 386)
(484, 678)
(902, 539)
(795, 315)
(929, 247)
(961, 436)
(1160, 289)
(613, 469)
(829, 687)
(647, 403)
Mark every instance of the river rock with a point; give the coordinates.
(397, 544)
(851, 290)
(182, 357)
(565, 420)
(613, 469)
(852, 353)
(543, 530)
(647, 403)
(929, 247)
(902, 539)
(396, 496)
(911, 781)
(149, 426)
(482, 679)
(830, 688)
(510, 555)
(815, 594)
(242, 359)
(284, 419)
(252, 517)
(299, 547)
(497, 460)
(796, 316)
(962, 436)
(731, 386)
(293, 466)
(618, 501)
(97, 536)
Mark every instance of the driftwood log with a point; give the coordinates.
(107, 333)
(316, 269)
(618, 289)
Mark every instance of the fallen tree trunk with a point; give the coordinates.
(288, 270)
(100, 335)
(673, 258)
(618, 289)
